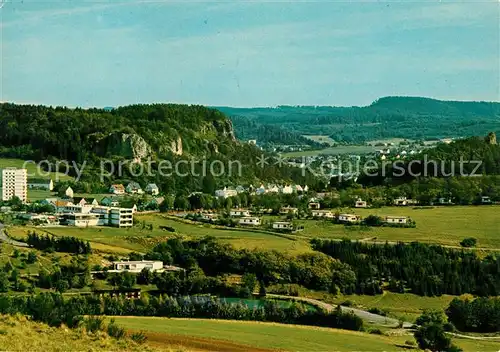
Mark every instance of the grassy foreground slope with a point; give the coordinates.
(257, 336)
(17, 333)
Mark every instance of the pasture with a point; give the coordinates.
(205, 334)
(33, 170)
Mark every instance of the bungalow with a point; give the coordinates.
(287, 190)
(282, 225)
(239, 212)
(396, 219)
(134, 188)
(69, 192)
(314, 205)
(152, 189)
(110, 201)
(485, 200)
(323, 214)
(117, 189)
(288, 210)
(138, 266)
(37, 183)
(252, 221)
(401, 201)
(349, 218)
(79, 201)
(360, 203)
(225, 193)
(209, 216)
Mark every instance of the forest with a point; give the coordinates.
(426, 270)
(386, 118)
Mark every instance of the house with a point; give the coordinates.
(401, 201)
(288, 210)
(69, 192)
(396, 219)
(248, 220)
(225, 193)
(138, 266)
(349, 218)
(314, 205)
(110, 201)
(360, 203)
(209, 216)
(282, 225)
(239, 212)
(485, 200)
(444, 201)
(273, 189)
(323, 214)
(80, 219)
(298, 188)
(92, 201)
(240, 189)
(152, 189)
(134, 188)
(37, 183)
(157, 201)
(79, 201)
(117, 189)
(287, 190)
(260, 190)
(305, 188)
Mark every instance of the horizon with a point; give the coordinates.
(247, 54)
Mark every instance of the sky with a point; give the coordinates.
(252, 53)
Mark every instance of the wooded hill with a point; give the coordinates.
(390, 117)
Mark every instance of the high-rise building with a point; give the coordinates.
(14, 184)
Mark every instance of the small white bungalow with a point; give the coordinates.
(252, 221)
(396, 219)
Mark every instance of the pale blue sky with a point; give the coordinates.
(234, 53)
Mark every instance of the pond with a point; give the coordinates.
(256, 302)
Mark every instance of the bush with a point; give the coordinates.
(138, 337)
(468, 242)
(93, 323)
(377, 311)
(376, 332)
(347, 303)
(115, 331)
(410, 343)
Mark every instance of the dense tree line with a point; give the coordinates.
(475, 315)
(386, 118)
(423, 269)
(312, 270)
(56, 310)
(58, 244)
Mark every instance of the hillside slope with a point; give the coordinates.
(389, 117)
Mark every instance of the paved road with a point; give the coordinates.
(6, 239)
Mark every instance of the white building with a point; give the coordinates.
(348, 218)
(282, 225)
(69, 192)
(225, 193)
(80, 219)
(14, 184)
(323, 214)
(288, 210)
(78, 208)
(360, 203)
(137, 266)
(396, 219)
(152, 189)
(121, 217)
(252, 221)
(287, 190)
(37, 183)
(239, 212)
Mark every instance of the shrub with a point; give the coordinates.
(347, 303)
(410, 343)
(93, 323)
(468, 242)
(377, 311)
(376, 332)
(115, 331)
(138, 337)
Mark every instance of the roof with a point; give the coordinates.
(134, 185)
(347, 215)
(139, 262)
(118, 186)
(152, 185)
(396, 217)
(61, 203)
(282, 222)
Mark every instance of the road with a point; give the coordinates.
(6, 239)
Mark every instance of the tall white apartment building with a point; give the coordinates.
(14, 184)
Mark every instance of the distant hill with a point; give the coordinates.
(389, 117)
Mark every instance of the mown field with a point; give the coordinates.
(258, 336)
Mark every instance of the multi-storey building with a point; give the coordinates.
(14, 184)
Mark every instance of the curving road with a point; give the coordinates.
(6, 239)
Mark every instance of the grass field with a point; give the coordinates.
(33, 170)
(440, 225)
(342, 149)
(320, 139)
(256, 336)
